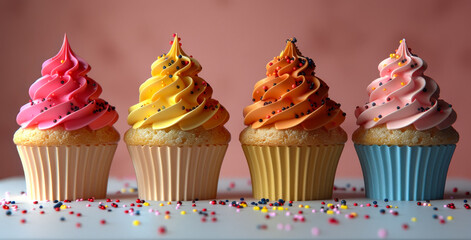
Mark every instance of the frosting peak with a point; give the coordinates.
(65, 95)
(292, 96)
(404, 96)
(175, 95)
(65, 62)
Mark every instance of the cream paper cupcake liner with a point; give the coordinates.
(66, 172)
(294, 173)
(177, 173)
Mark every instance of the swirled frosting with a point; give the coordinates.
(66, 96)
(403, 95)
(291, 95)
(176, 96)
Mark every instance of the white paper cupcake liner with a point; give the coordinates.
(66, 172)
(177, 173)
(292, 172)
(403, 172)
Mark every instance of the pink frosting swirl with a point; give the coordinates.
(403, 95)
(65, 95)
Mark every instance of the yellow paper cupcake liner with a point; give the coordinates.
(292, 172)
(177, 173)
(66, 172)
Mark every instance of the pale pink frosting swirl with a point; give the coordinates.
(403, 95)
(66, 96)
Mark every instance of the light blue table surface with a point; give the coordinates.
(423, 222)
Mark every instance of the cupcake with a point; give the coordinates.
(405, 140)
(293, 140)
(178, 140)
(66, 141)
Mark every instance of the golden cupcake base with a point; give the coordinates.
(296, 173)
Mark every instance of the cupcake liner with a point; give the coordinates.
(292, 172)
(66, 172)
(405, 172)
(177, 173)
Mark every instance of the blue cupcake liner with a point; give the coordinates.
(405, 172)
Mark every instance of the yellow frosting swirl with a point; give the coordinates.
(176, 95)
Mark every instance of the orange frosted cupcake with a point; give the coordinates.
(293, 140)
(66, 141)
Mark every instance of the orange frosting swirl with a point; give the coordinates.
(291, 95)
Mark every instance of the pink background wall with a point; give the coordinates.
(233, 40)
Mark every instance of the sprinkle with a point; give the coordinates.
(382, 233)
(413, 219)
(315, 231)
(333, 221)
(136, 223)
(288, 227)
(183, 212)
(162, 230)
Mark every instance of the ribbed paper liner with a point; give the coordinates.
(66, 172)
(403, 172)
(177, 173)
(292, 172)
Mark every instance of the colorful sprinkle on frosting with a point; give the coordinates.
(176, 96)
(65, 95)
(403, 95)
(291, 95)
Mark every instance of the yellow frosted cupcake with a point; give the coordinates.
(293, 140)
(66, 141)
(405, 140)
(178, 140)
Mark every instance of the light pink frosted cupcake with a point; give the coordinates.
(66, 141)
(405, 138)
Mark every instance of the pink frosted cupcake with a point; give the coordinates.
(405, 138)
(66, 141)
